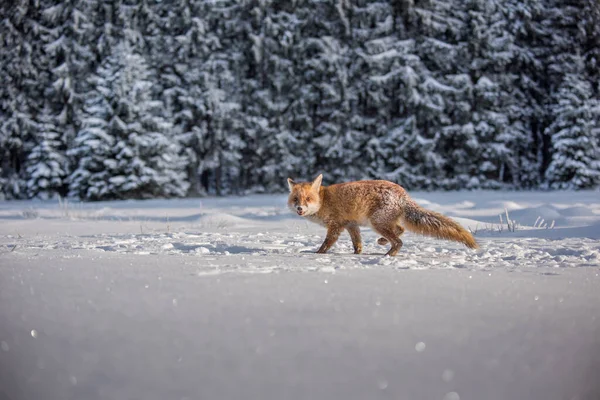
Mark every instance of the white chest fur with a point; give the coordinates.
(316, 220)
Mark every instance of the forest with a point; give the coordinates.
(122, 99)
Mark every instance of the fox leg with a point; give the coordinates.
(383, 241)
(391, 234)
(354, 232)
(333, 233)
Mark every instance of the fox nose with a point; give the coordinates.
(299, 208)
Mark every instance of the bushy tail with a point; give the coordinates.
(430, 223)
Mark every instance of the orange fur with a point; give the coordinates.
(382, 205)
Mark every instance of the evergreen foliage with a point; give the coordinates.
(574, 132)
(120, 99)
(46, 164)
(125, 148)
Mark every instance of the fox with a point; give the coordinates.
(382, 205)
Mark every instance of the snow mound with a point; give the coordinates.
(577, 211)
(529, 216)
(589, 232)
(221, 220)
(508, 205)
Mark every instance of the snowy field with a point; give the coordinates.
(225, 299)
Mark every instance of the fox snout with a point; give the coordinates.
(299, 208)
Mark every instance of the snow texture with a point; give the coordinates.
(225, 298)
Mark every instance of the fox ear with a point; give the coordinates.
(291, 184)
(316, 185)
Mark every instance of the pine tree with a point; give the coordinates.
(46, 164)
(574, 133)
(388, 96)
(497, 105)
(220, 146)
(124, 149)
(325, 89)
(220, 75)
(67, 43)
(529, 23)
(16, 131)
(23, 80)
(91, 152)
(188, 42)
(589, 23)
(269, 95)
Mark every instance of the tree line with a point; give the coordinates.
(116, 99)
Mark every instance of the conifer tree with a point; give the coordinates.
(124, 149)
(574, 132)
(23, 79)
(46, 164)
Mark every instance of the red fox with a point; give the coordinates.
(382, 205)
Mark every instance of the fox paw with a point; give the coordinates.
(382, 241)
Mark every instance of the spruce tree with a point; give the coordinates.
(499, 113)
(220, 75)
(124, 149)
(187, 40)
(270, 96)
(68, 43)
(23, 79)
(46, 164)
(91, 152)
(574, 133)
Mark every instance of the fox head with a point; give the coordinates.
(304, 196)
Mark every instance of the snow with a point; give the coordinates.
(224, 298)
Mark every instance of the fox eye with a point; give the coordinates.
(295, 199)
(309, 198)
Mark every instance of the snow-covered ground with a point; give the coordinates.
(225, 299)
